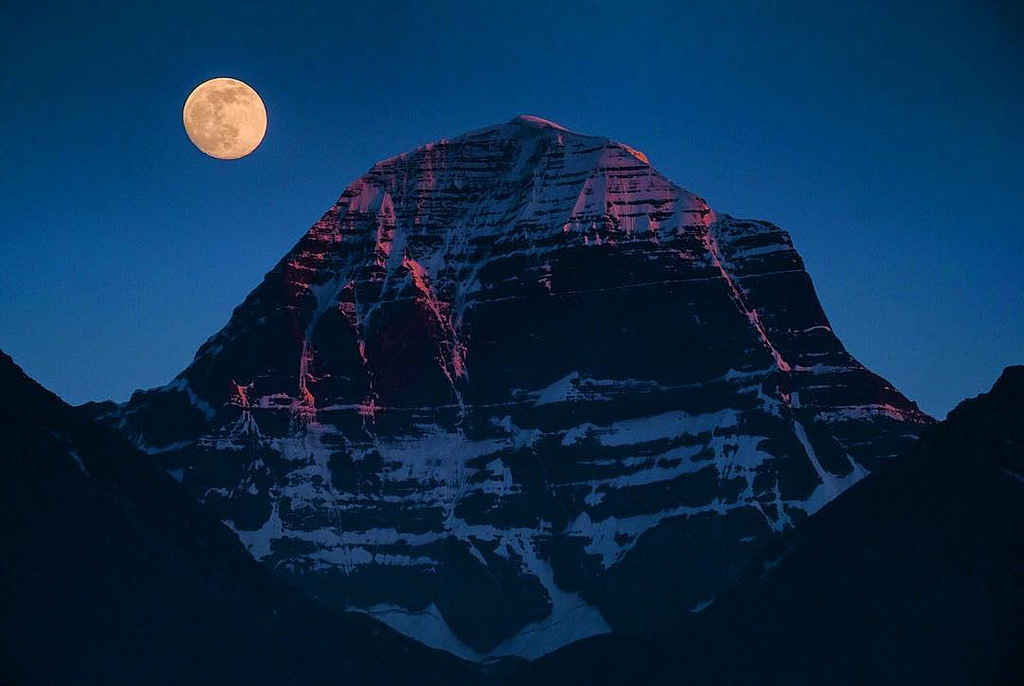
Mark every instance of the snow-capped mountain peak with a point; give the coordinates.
(516, 388)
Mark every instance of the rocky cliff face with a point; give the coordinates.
(517, 388)
(913, 576)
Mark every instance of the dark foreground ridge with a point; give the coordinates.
(112, 574)
(914, 576)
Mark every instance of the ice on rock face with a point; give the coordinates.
(509, 371)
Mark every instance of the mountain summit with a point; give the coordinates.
(517, 388)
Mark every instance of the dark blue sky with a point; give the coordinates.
(885, 136)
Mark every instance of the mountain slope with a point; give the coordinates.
(113, 574)
(516, 388)
(914, 576)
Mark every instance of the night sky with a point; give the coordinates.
(884, 136)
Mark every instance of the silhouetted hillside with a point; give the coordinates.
(112, 574)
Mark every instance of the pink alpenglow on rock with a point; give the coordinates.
(516, 388)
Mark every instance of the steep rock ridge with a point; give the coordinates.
(517, 388)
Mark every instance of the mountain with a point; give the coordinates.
(913, 576)
(515, 389)
(112, 574)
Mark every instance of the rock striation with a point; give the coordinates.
(517, 388)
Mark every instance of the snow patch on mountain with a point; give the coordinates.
(508, 357)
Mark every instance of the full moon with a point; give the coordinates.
(225, 118)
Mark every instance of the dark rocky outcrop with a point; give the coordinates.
(111, 573)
